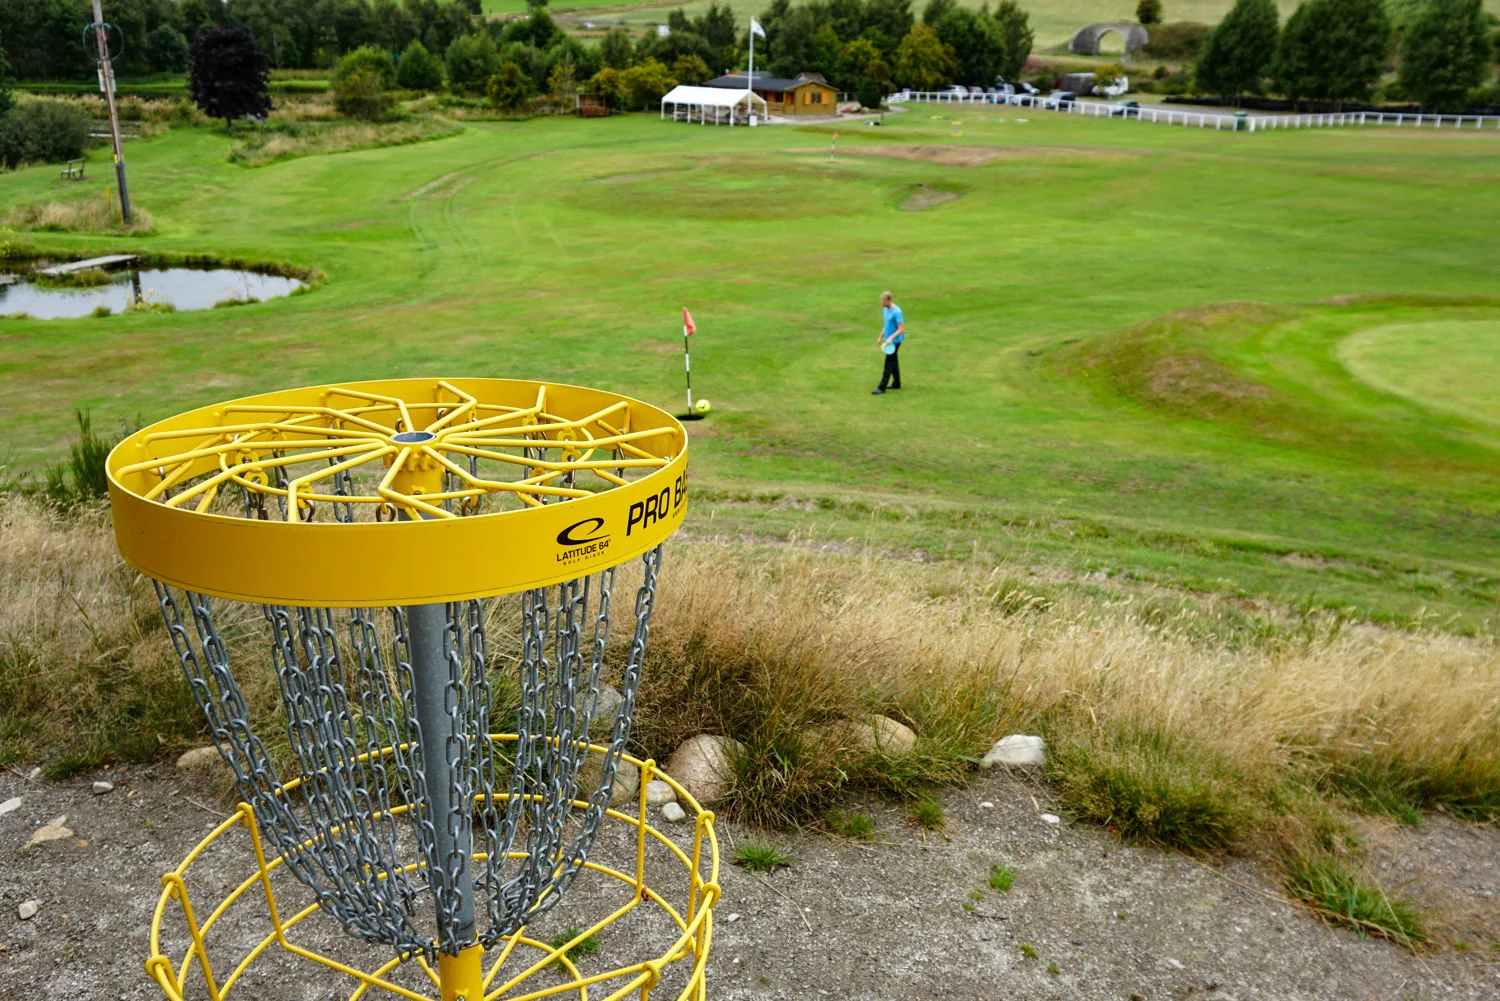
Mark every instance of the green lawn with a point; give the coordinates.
(1127, 342)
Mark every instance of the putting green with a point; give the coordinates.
(1452, 367)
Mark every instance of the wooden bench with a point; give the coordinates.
(72, 172)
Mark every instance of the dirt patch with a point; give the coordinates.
(1193, 378)
(925, 198)
(967, 156)
(948, 156)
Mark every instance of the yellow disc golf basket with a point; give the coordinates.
(428, 759)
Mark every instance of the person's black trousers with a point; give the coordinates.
(892, 374)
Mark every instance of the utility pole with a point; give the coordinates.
(107, 79)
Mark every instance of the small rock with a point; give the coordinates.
(1019, 750)
(10, 806)
(1051, 818)
(986, 805)
(609, 701)
(673, 813)
(100, 788)
(627, 780)
(881, 735)
(28, 909)
(704, 766)
(658, 793)
(1174, 964)
(730, 919)
(34, 774)
(199, 758)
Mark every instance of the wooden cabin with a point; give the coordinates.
(806, 95)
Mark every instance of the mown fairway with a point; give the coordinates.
(1136, 348)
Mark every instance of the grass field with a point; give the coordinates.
(1154, 355)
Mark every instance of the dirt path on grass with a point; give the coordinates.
(910, 916)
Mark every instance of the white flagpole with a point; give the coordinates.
(750, 80)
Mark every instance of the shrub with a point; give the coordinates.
(869, 94)
(509, 88)
(1180, 40)
(42, 131)
(419, 69)
(360, 93)
(1148, 12)
(83, 478)
(367, 59)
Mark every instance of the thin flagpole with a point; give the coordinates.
(687, 368)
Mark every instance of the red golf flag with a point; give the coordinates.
(688, 327)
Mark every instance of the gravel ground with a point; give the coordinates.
(908, 916)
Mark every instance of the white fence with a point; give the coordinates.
(1208, 119)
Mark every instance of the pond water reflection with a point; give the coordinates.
(184, 288)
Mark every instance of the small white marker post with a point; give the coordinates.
(832, 145)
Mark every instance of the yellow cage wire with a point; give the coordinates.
(692, 916)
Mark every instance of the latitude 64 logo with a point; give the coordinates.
(581, 540)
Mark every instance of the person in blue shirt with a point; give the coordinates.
(892, 333)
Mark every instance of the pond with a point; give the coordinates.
(183, 288)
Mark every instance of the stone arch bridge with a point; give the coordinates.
(1085, 40)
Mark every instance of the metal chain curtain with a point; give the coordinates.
(353, 725)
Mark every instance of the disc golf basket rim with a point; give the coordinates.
(694, 919)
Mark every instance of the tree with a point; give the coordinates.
(935, 9)
(645, 82)
(608, 85)
(870, 94)
(1238, 53)
(1332, 49)
(977, 45)
(1148, 12)
(509, 87)
(1446, 52)
(167, 49)
(923, 62)
(562, 81)
(470, 61)
(865, 63)
(616, 48)
(892, 19)
(7, 99)
(690, 69)
(1015, 28)
(229, 76)
(419, 69)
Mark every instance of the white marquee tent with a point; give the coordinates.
(712, 104)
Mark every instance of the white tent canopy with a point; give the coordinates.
(716, 104)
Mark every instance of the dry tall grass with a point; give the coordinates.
(302, 137)
(1145, 713)
(1198, 730)
(92, 215)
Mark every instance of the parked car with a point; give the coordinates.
(1026, 88)
(1123, 109)
(978, 91)
(1055, 100)
(955, 88)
